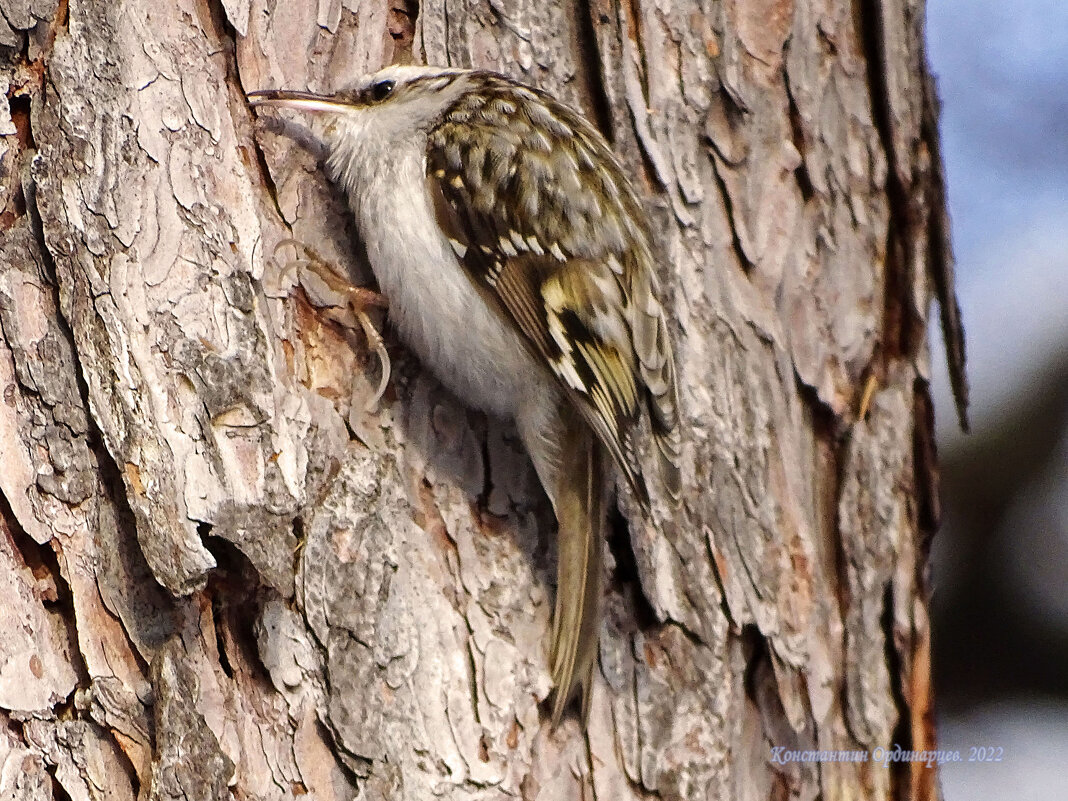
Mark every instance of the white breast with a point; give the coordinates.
(433, 305)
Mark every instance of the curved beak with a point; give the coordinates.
(299, 101)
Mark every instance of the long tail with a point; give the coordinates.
(580, 514)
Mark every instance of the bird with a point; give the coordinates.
(517, 261)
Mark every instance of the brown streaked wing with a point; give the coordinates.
(560, 307)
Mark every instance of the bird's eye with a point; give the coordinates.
(381, 90)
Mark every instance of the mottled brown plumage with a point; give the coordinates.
(517, 263)
(544, 217)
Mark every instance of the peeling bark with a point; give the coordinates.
(222, 574)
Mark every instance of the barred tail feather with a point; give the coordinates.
(580, 512)
(664, 422)
(656, 366)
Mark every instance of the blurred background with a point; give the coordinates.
(1000, 562)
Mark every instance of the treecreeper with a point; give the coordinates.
(517, 263)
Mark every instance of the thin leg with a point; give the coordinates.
(348, 305)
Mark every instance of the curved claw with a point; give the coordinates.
(375, 338)
(357, 299)
(293, 265)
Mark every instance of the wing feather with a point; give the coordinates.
(584, 301)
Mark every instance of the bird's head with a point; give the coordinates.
(390, 104)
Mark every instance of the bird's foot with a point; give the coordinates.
(340, 301)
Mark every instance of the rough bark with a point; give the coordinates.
(223, 575)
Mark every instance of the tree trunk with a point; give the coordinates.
(222, 574)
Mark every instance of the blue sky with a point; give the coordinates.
(1003, 77)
